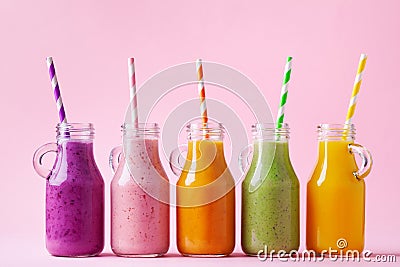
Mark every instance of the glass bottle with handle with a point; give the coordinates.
(74, 193)
(336, 192)
(270, 193)
(139, 194)
(205, 194)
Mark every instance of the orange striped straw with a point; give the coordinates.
(202, 91)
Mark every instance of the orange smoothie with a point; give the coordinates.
(206, 202)
(335, 200)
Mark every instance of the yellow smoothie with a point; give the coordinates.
(335, 200)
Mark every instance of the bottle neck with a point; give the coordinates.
(334, 140)
(75, 142)
(336, 132)
(75, 132)
(205, 143)
(271, 142)
(268, 132)
(148, 131)
(141, 142)
(211, 131)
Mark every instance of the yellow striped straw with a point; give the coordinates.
(356, 89)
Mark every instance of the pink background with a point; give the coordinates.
(90, 41)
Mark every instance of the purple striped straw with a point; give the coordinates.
(56, 88)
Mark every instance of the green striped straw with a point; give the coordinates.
(284, 93)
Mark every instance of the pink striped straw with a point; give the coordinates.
(56, 89)
(132, 87)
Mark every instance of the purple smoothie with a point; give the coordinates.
(75, 202)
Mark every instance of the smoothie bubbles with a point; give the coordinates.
(336, 190)
(139, 190)
(205, 192)
(74, 188)
(270, 190)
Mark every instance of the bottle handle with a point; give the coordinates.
(115, 158)
(38, 158)
(176, 160)
(244, 155)
(366, 158)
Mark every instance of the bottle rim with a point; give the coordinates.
(270, 126)
(336, 131)
(202, 126)
(75, 130)
(336, 126)
(141, 130)
(141, 126)
(210, 130)
(270, 131)
(75, 126)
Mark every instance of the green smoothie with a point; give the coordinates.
(270, 200)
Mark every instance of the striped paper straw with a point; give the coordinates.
(284, 93)
(132, 87)
(56, 89)
(356, 89)
(202, 92)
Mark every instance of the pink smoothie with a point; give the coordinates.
(139, 221)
